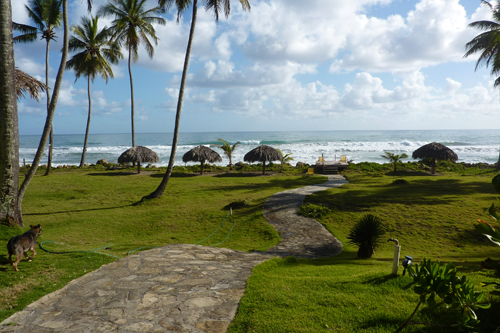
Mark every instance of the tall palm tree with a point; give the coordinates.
(133, 26)
(52, 108)
(394, 159)
(228, 150)
(210, 5)
(97, 51)
(487, 44)
(9, 130)
(47, 16)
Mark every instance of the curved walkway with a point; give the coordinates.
(176, 288)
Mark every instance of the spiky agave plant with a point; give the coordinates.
(366, 235)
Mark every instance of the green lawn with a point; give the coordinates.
(432, 216)
(98, 208)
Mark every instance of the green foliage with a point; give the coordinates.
(314, 211)
(486, 43)
(228, 150)
(366, 235)
(432, 281)
(394, 159)
(485, 228)
(285, 158)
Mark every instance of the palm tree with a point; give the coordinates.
(133, 25)
(394, 159)
(488, 45)
(228, 150)
(9, 130)
(286, 158)
(47, 16)
(50, 112)
(215, 6)
(96, 49)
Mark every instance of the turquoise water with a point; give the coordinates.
(471, 146)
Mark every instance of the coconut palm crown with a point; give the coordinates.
(133, 26)
(96, 52)
(487, 45)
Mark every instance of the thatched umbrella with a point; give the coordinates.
(138, 154)
(262, 154)
(436, 151)
(28, 84)
(201, 154)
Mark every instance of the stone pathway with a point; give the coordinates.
(176, 288)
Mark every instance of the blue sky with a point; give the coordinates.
(287, 65)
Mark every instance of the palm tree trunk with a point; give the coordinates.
(9, 131)
(49, 157)
(161, 188)
(498, 162)
(131, 93)
(51, 111)
(82, 161)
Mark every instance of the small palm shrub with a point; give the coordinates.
(366, 235)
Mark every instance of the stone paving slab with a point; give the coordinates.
(302, 237)
(178, 287)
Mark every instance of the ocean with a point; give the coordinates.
(471, 146)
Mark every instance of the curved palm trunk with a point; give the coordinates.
(9, 132)
(131, 93)
(161, 188)
(51, 139)
(51, 111)
(498, 162)
(82, 161)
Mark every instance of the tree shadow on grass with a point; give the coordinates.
(77, 210)
(115, 174)
(175, 175)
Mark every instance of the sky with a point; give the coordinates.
(285, 65)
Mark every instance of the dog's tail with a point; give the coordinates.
(11, 247)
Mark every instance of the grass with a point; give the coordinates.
(431, 216)
(94, 208)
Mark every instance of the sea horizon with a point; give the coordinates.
(471, 146)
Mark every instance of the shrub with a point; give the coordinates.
(366, 235)
(314, 211)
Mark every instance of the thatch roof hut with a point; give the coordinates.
(436, 151)
(28, 84)
(138, 154)
(263, 154)
(201, 154)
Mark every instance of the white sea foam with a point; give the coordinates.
(307, 147)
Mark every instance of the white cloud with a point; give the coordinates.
(452, 86)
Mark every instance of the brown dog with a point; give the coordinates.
(21, 244)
